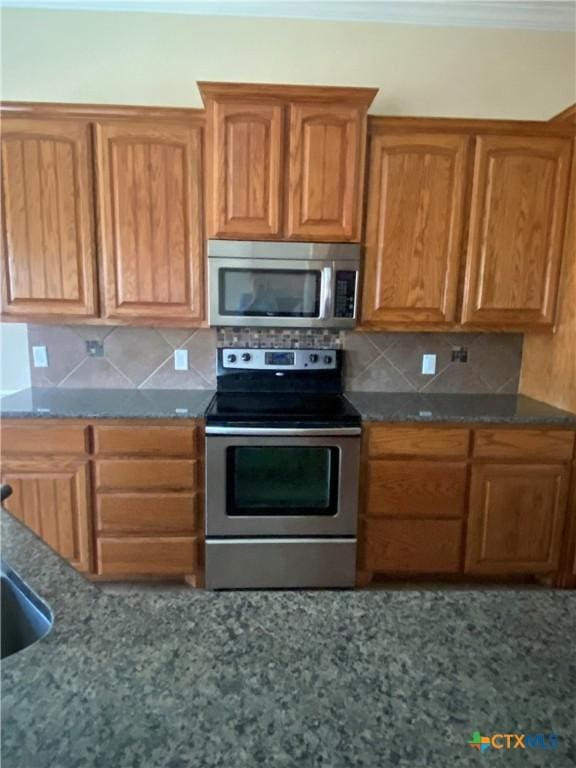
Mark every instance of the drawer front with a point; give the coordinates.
(413, 546)
(423, 489)
(545, 444)
(44, 439)
(145, 556)
(146, 474)
(146, 513)
(145, 441)
(418, 441)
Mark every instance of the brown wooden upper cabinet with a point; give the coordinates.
(48, 259)
(519, 200)
(416, 199)
(461, 241)
(149, 188)
(285, 162)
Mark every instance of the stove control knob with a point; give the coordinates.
(327, 359)
(246, 357)
(313, 358)
(231, 359)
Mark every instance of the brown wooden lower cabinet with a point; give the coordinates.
(123, 500)
(494, 505)
(517, 513)
(51, 496)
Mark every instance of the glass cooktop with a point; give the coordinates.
(285, 409)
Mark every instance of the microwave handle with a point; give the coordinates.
(326, 297)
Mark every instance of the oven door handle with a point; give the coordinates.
(288, 431)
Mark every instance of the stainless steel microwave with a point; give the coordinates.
(293, 285)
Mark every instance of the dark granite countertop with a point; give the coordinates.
(179, 678)
(60, 403)
(43, 402)
(489, 409)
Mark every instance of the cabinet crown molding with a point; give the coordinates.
(94, 112)
(282, 94)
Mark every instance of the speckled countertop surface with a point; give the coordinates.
(43, 402)
(182, 678)
(61, 403)
(491, 409)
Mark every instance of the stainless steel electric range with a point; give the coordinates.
(282, 466)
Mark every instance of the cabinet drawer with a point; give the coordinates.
(424, 489)
(146, 474)
(413, 546)
(544, 444)
(417, 441)
(146, 556)
(146, 513)
(145, 441)
(41, 439)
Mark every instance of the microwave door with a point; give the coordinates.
(260, 292)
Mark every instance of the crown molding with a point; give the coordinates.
(544, 15)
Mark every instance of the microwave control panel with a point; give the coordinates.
(345, 293)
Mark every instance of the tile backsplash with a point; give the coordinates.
(137, 357)
(280, 338)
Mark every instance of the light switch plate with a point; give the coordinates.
(180, 359)
(428, 365)
(40, 357)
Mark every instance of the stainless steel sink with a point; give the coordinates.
(25, 618)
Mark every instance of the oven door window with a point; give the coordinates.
(281, 480)
(269, 292)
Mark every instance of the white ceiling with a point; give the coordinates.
(550, 15)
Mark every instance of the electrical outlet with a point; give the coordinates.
(180, 359)
(40, 357)
(459, 354)
(428, 365)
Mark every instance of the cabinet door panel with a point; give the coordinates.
(325, 172)
(518, 212)
(516, 518)
(414, 228)
(149, 181)
(47, 222)
(51, 497)
(244, 179)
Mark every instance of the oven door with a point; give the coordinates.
(278, 484)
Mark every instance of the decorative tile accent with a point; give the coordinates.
(142, 358)
(279, 338)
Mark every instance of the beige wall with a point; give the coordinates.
(156, 59)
